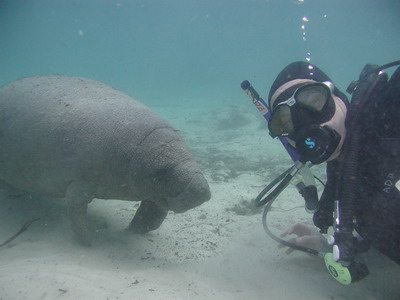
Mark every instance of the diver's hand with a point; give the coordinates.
(307, 236)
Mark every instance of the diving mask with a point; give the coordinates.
(311, 103)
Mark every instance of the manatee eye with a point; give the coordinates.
(161, 175)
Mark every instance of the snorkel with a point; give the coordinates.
(306, 187)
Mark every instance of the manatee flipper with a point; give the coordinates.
(78, 197)
(148, 217)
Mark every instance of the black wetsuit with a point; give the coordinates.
(377, 207)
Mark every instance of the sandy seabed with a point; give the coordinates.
(218, 250)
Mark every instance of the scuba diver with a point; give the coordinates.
(359, 141)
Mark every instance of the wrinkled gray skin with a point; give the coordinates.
(77, 138)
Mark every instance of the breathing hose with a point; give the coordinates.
(282, 241)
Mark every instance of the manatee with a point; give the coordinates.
(79, 139)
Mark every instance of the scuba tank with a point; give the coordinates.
(345, 245)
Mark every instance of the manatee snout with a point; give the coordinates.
(195, 193)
